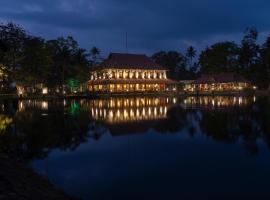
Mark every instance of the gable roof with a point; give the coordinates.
(220, 78)
(130, 61)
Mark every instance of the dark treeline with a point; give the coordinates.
(247, 58)
(29, 60)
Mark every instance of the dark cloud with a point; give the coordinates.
(152, 25)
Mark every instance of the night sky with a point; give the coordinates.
(152, 25)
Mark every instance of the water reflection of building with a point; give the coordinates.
(217, 102)
(24, 104)
(119, 110)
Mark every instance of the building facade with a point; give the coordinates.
(129, 73)
(228, 82)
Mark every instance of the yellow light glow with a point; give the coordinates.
(44, 105)
(137, 75)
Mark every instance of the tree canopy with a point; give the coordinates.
(29, 60)
(32, 60)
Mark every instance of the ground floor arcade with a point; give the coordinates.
(118, 87)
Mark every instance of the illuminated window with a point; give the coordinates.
(155, 75)
(142, 74)
(124, 74)
(121, 74)
(137, 74)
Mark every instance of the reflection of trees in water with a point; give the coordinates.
(5, 122)
(96, 130)
(176, 120)
(34, 134)
(35, 130)
(248, 124)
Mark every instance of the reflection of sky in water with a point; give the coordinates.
(159, 166)
(200, 147)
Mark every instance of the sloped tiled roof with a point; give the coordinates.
(220, 78)
(130, 61)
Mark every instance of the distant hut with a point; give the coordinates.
(220, 82)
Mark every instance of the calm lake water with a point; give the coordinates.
(145, 148)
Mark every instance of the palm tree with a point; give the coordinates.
(94, 53)
(191, 53)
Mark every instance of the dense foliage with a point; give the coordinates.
(28, 60)
(247, 58)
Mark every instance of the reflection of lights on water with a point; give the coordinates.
(149, 111)
(130, 109)
(131, 113)
(111, 113)
(65, 102)
(21, 105)
(161, 110)
(254, 99)
(44, 105)
(219, 101)
(104, 113)
(143, 111)
(125, 114)
(100, 112)
(137, 103)
(240, 100)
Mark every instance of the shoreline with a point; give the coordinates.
(127, 94)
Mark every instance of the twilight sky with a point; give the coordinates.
(152, 25)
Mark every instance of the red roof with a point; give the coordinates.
(220, 78)
(130, 61)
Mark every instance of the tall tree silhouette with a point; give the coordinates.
(190, 54)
